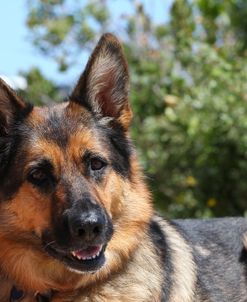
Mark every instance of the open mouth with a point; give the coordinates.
(89, 259)
(90, 253)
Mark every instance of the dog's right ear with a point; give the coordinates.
(12, 108)
(104, 85)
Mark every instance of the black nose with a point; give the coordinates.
(87, 228)
(87, 222)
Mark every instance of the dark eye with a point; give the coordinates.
(96, 164)
(37, 176)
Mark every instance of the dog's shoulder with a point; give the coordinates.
(179, 267)
(192, 249)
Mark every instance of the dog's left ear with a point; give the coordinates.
(103, 87)
(12, 108)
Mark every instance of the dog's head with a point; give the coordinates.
(70, 188)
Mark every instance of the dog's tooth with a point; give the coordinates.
(73, 253)
(78, 257)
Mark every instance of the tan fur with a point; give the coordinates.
(245, 241)
(140, 282)
(184, 275)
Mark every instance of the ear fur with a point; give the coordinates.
(12, 110)
(103, 86)
(12, 107)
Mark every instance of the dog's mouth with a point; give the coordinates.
(90, 253)
(89, 259)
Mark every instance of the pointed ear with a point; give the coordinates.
(12, 108)
(103, 86)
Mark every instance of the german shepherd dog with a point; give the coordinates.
(76, 217)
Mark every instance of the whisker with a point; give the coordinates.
(49, 243)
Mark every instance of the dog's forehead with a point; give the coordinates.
(62, 125)
(65, 132)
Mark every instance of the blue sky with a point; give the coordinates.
(17, 53)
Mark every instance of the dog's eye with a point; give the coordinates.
(96, 164)
(37, 177)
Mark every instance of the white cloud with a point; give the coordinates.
(15, 82)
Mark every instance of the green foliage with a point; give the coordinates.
(188, 91)
(196, 146)
(61, 28)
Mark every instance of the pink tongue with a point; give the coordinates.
(88, 252)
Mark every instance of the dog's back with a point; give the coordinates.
(205, 259)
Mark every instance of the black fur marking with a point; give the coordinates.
(12, 179)
(57, 129)
(9, 141)
(21, 115)
(164, 252)
(47, 184)
(82, 100)
(220, 272)
(44, 298)
(243, 260)
(11, 163)
(120, 149)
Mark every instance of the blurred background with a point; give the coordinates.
(188, 65)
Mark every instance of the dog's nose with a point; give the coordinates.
(86, 220)
(87, 227)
